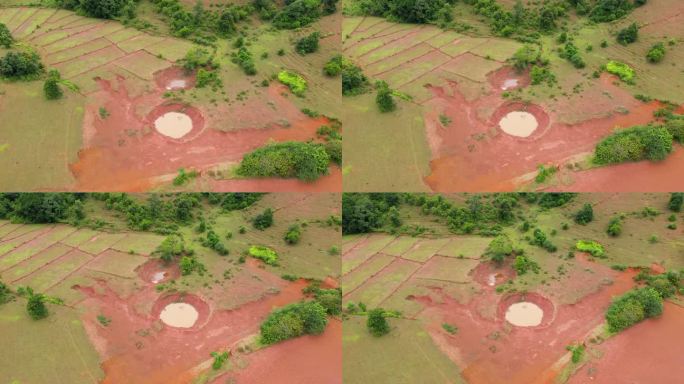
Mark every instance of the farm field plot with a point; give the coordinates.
(118, 82)
(120, 300)
(452, 311)
(455, 89)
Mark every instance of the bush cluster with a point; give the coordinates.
(293, 234)
(294, 320)
(634, 144)
(591, 247)
(265, 254)
(633, 307)
(306, 161)
(384, 98)
(628, 35)
(263, 220)
(308, 44)
(21, 65)
(6, 39)
(294, 81)
(585, 215)
(656, 53)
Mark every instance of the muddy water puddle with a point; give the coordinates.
(176, 84)
(179, 315)
(158, 277)
(519, 123)
(510, 84)
(524, 314)
(173, 124)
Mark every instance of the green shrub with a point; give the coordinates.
(36, 305)
(628, 35)
(577, 352)
(6, 39)
(449, 328)
(21, 65)
(334, 150)
(293, 234)
(243, 58)
(634, 144)
(523, 264)
(219, 360)
(622, 70)
(500, 247)
(633, 307)
(676, 201)
(676, 129)
(305, 161)
(292, 321)
(354, 82)
(334, 66)
(205, 77)
(592, 247)
(5, 293)
(384, 98)
(265, 254)
(614, 227)
(544, 173)
(609, 10)
(377, 323)
(189, 264)
(103, 9)
(307, 44)
(51, 88)
(585, 215)
(173, 246)
(294, 81)
(297, 13)
(656, 53)
(263, 220)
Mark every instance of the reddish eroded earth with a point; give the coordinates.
(137, 348)
(304, 360)
(490, 350)
(472, 153)
(123, 151)
(649, 352)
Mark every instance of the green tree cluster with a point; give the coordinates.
(649, 142)
(306, 161)
(294, 320)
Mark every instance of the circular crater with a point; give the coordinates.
(491, 275)
(173, 79)
(526, 310)
(176, 121)
(155, 271)
(179, 315)
(507, 78)
(520, 120)
(181, 311)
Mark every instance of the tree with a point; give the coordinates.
(384, 98)
(628, 35)
(307, 44)
(6, 39)
(609, 10)
(20, 65)
(585, 215)
(103, 9)
(293, 234)
(676, 201)
(354, 82)
(263, 220)
(499, 248)
(377, 323)
(614, 227)
(656, 53)
(36, 305)
(5, 293)
(415, 11)
(51, 87)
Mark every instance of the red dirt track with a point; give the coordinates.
(473, 154)
(123, 151)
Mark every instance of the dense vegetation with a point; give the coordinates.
(6, 39)
(306, 161)
(656, 53)
(21, 65)
(634, 144)
(354, 82)
(308, 317)
(633, 307)
(377, 323)
(482, 214)
(384, 98)
(308, 44)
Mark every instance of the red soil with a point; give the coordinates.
(121, 153)
(202, 308)
(649, 352)
(492, 351)
(472, 154)
(164, 77)
(501, 274)
(147, 271)
(304, 360)
(194, 114)
(138, 348)
(542, 302)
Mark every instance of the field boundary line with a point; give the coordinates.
(33, 256)
(80, 355)
(35, 10)
(402, 51)
(16, 237)
(409, 277)
(77, 57)
(45, 265)
(78, 269)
